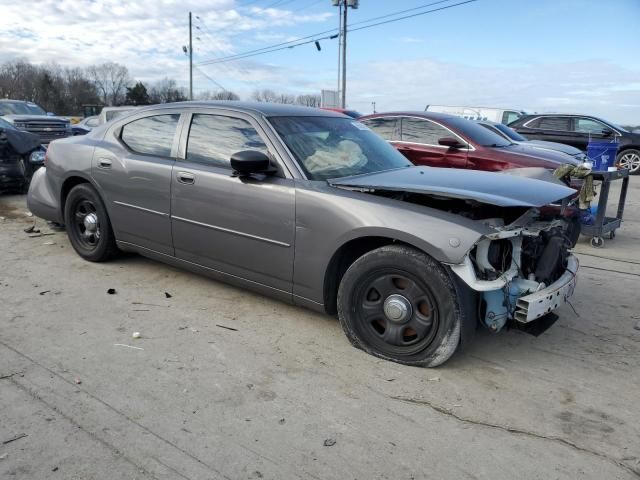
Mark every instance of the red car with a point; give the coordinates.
(441, 140)
(344, 111)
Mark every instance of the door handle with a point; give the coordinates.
(186, 178)
(104, 163)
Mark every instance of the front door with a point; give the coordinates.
(420, 144)
(240, 226)
(587, 129)
(134, 176)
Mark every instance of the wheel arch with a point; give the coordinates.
(69, 182)
(344, 257)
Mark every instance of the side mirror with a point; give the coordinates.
(607, 132)
(451, 142)
(247, 162)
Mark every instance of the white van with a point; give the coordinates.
(500, 115)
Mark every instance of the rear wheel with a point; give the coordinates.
(630, 159)
(88, 225)
(399, 304)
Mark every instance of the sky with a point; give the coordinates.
(538, 55)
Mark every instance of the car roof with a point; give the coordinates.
(264, 108)
(417, 113)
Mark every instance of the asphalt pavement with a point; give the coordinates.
(223, 383)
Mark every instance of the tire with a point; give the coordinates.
(399, 304)
(629, 159)
(88, 225)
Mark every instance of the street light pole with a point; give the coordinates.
(343, 100)
(342, 52)
(190, 60)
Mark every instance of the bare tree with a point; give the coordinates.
(265, 95)
(309, 100)
(111, 80)
(167, 91)
(221, 95)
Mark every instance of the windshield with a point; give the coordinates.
(476, 133)
(20, 108)
(332, 147)
(510, 132)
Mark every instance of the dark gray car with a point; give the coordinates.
(311, 207)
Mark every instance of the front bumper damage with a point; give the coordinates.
(506, 290)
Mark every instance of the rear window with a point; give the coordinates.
(151, 135)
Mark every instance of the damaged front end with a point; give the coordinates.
(522, 271)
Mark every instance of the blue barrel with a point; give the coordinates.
(602, 154)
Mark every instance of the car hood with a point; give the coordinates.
(494, 188)
(35, 118)
(561, 147)
(556, 157)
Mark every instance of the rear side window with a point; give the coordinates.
(387, 128)
(214, 138)
(415, 130)
(561, 124)
(151, 135)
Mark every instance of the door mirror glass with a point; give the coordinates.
(451, 142)
(247, 162)
(607, 132)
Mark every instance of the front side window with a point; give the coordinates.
(560, 124)
(427, 132)
(386, 127)
(151, 135)
(510, 116)
(587, 125)
(214, 138)
(333, 147)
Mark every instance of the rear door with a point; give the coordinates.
(420, 144)
(240, 226)
(551, 128)
(134, 176)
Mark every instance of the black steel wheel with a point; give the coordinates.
(88, 225)
(399, 304)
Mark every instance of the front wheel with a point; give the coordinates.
(630, 160)
(399, 304)
(88, 225)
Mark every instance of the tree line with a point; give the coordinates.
(64, 90)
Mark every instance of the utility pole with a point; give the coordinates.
(373, 104)
(190, 60)
(342, 52)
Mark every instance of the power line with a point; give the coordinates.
(291, 44)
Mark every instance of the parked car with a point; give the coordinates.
(111, 113)
(85, 125)
(578, 130)
(21, 154)
(30, 117)
(345, 111)
(311, 207)
(500, 115)
(441, 140)
(513, 136)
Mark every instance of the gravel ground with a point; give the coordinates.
(228, 384)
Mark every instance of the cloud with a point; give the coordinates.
(146, 35)
(596, 87)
